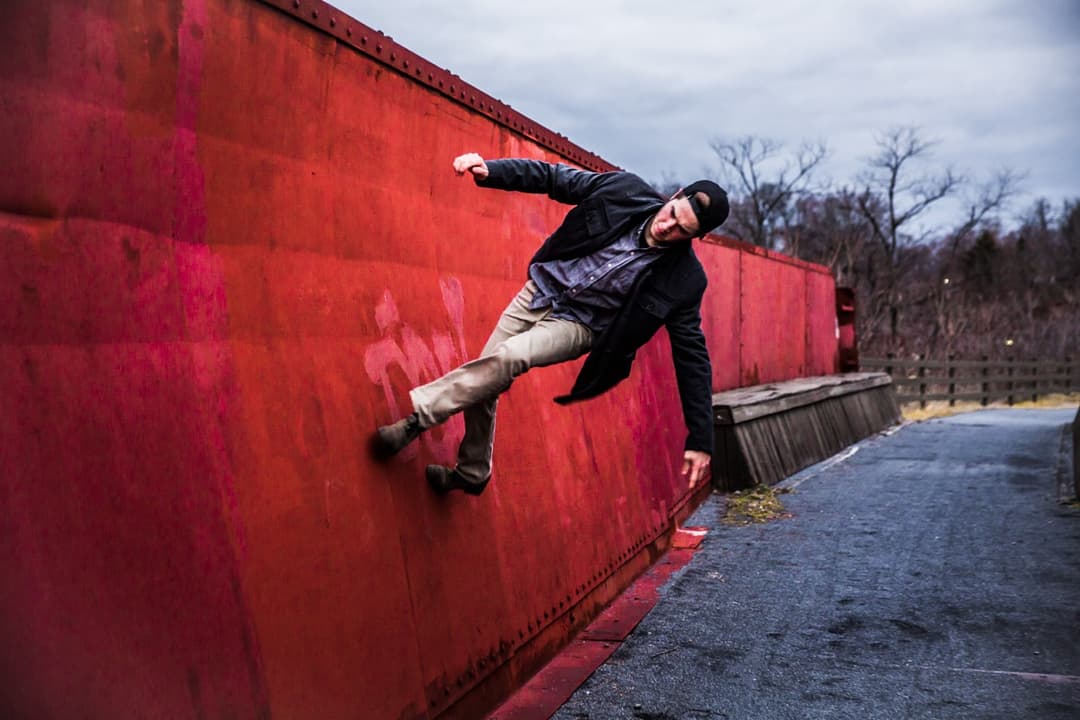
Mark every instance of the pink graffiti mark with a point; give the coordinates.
(420, 361)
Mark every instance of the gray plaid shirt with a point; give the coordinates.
(590, 289)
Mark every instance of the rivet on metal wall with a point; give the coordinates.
(348, 31)
(296, 3)
(315, 14)
(393, 57)
(333, 22)
(378, 48)
(404, 63)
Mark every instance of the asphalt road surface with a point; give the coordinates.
(933, 573)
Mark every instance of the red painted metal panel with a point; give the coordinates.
(773, 326)
(821, 326)
(720, 313)
(231, 244)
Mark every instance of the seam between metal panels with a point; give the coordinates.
(382, 48)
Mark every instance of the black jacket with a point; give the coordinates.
(668, 293)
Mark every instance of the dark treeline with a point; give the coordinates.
(967, 287)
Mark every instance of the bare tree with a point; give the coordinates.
(905, 197)
(762, 199)
(894, 196)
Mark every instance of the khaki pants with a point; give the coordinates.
(522, 339)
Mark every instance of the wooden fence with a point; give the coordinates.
(985, 380)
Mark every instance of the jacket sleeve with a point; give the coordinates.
(693, 373)
(560, 182)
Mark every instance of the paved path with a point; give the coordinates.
(931, 574)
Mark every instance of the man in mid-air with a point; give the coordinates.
(618, 268)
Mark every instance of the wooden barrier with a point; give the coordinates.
(985, 381)
(767, 432)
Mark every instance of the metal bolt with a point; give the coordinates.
(296, 3)
(315, 14)
(348, 31)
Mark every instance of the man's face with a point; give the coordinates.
(675, 222)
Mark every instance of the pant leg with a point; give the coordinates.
(472, 382)
(522, 339)
(550, 341)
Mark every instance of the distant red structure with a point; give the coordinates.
(231, 242)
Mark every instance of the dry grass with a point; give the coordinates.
(941, 408)
(756, 505)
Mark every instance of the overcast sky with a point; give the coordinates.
(647, 85)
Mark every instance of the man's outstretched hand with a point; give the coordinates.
(696, 463)
(471, 162)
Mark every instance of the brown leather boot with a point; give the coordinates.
(391, 439)
(443, 479)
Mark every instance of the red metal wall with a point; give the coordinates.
(230, 244)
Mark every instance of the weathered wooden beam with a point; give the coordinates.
(765, 433)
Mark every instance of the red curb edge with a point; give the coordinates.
(548, 689)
